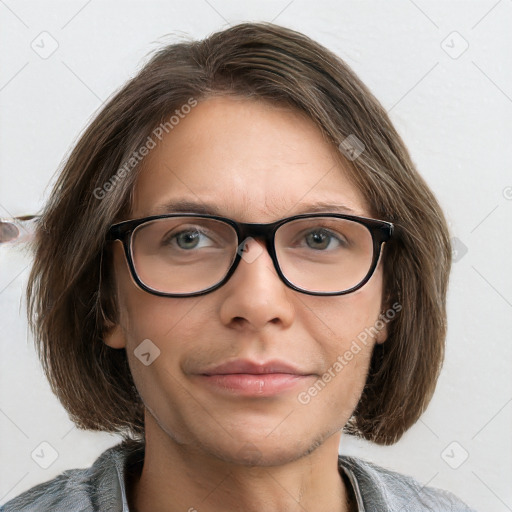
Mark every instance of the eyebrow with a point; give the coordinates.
(188, 206)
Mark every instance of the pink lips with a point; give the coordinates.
(249, 378)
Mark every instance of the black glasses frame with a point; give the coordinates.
(380, 230)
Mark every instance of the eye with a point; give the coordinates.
(321, 239)
(187, 239)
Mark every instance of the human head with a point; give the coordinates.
(72, 303)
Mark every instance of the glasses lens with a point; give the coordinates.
(183, 254)
(324, 254)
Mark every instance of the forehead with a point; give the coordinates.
(253, 161)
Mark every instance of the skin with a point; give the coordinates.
(213, 451)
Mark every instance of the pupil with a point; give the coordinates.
(188, 236)
(318, 237)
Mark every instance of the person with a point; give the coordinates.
(239, 264)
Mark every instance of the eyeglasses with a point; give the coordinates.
(187, 254)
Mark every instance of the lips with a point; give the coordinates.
(253, 379)
(254, 368)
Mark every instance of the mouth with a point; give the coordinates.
(250, 378)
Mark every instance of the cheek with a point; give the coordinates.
(146, 316)
(156, 331)
(344, 329)
(158, 318)
(337, 321)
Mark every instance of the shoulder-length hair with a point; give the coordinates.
(71, 301)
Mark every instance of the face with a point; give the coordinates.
(256, 163)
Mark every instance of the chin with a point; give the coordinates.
(262, 451)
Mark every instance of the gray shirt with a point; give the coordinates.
(102, 487)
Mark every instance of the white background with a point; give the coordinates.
(455, 115)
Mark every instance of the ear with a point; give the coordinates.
(383, 322)
(382, 335)
(114, 337)
(112, 333)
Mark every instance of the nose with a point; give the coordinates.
(255, 295)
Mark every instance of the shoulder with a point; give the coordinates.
(99, 487)
(381, 489)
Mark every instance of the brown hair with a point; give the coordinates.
(67, 312)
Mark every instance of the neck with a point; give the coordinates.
(177, 477)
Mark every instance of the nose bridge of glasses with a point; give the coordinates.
(257, 231)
